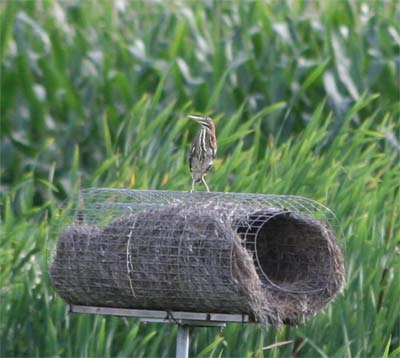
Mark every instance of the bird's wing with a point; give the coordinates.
(193, 151)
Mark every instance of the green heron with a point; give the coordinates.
(204, 150)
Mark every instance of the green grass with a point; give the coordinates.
(305, 97)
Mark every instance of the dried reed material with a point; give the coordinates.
(274, 265)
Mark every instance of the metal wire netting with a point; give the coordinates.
(274, 258)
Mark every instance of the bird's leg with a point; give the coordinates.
(204, 182)
(192, 190)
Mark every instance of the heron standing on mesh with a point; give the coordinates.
(203, 151)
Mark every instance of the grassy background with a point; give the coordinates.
(306, 100)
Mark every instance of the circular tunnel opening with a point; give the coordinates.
(290, 250)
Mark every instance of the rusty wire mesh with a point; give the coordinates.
(274, 258)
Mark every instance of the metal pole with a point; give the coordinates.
(182, 342)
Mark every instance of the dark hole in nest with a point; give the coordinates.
(291, 252)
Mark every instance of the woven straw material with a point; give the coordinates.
(218, 256)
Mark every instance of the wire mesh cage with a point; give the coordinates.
(274, 258)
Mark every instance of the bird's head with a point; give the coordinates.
(206, 122)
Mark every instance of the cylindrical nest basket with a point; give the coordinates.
(274, 258)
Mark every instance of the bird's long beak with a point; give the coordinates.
(198, 119)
